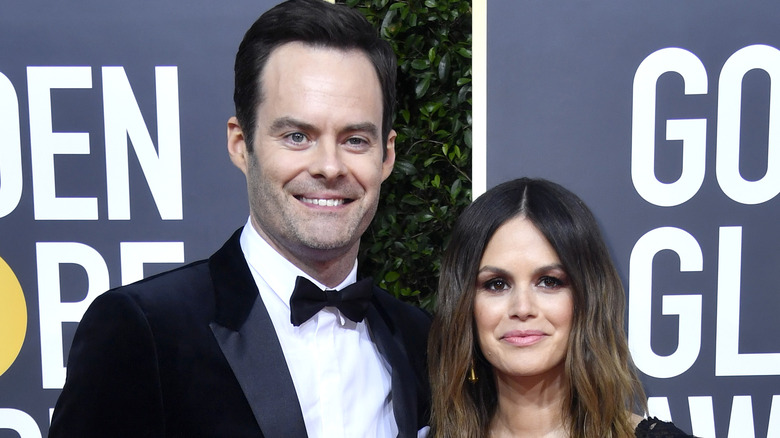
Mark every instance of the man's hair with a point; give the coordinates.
(315, 23)
(604, 387)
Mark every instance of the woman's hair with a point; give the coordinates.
(603, 385)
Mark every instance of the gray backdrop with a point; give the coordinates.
(579, 92)
(70, 247)
(562, 98)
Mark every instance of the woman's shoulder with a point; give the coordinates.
(655, 428)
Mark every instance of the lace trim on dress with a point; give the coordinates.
(655, 428)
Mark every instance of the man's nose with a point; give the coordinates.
(327, 160)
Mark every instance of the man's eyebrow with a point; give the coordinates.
(289, 122)
(369, 128)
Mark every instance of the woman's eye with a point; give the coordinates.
(496, 284)
(550, 282)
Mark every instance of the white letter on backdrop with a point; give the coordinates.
(20, 422)
(10, 148)
(45, 144)
(741, 421)
(729, 108)
(688, 307)
(135, 254)
(702, 415)
(728, 360)
(692, 132)
(53, 312)
(161, 167)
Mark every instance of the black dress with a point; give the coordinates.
(655, 428)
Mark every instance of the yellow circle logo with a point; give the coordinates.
(13, 317)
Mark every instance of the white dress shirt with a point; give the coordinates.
(342, 381)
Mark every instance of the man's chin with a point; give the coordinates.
(327, 237)
(332, 238)
(327, 245)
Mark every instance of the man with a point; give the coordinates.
(218, 348)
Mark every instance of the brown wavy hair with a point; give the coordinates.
(604, 388)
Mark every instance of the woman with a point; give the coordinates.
(527, 339)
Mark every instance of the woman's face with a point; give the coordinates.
(523, 305)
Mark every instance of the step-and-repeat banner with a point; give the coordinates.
(661, 115)
(664, 117)
(113, 166)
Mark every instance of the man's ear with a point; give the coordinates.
(387, 164)
(236, 144)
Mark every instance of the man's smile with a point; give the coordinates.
(324, 202)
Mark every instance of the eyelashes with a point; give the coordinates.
(551, 282)
(495, 284)
(500, 283)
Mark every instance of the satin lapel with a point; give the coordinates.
(404, 391)
(248, 340)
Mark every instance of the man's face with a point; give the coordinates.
(316, 167)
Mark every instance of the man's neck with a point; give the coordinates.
(329, 267)
(331, 273)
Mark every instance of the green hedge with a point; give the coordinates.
(431, 182)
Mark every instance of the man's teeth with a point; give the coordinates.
(323, 202)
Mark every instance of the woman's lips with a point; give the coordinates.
(523, 338)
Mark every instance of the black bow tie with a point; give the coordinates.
(307, 299)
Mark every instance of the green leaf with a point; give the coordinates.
(392, 276)
(412, 200)
(463, 93)
(464, 52)
(422, 86)
(421, 64)
(386, 29)
(444, 67)
(405, 115)
(431, 107)
(405, 167)
(455, 189)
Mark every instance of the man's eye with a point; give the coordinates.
(357, 142)
(297, 137)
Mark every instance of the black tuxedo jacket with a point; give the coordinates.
(193, 353)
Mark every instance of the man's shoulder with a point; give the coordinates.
(401, 315)
(181, 282)
(171, 281)
(168, 293)
(391, 303)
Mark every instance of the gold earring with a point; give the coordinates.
(472, 374)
